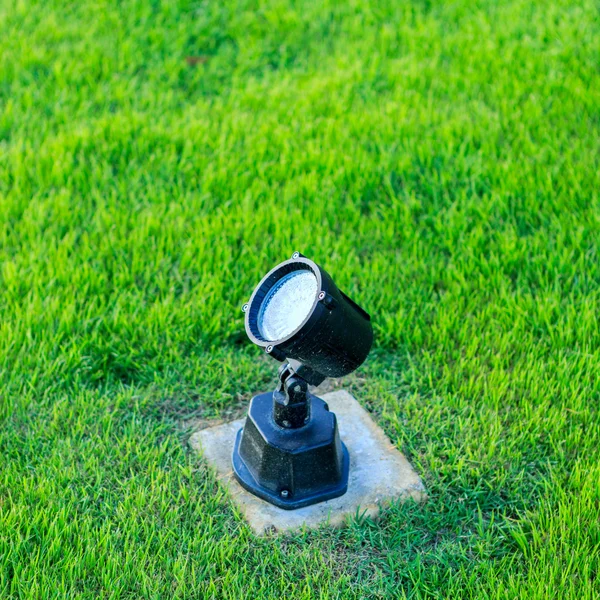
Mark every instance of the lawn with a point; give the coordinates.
(440, 160)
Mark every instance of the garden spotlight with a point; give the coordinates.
(289, 451)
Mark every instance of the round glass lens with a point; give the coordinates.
(286, 305)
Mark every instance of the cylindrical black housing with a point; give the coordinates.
(336, 336)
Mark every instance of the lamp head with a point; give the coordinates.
(297, 313)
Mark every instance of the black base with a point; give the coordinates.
(291, 468)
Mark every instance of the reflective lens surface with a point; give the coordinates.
(286, 305)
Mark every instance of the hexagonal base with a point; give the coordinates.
(291, 468)
(247, 481)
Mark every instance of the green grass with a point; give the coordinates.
(441, 160)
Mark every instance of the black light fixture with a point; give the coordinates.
(289, 451)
